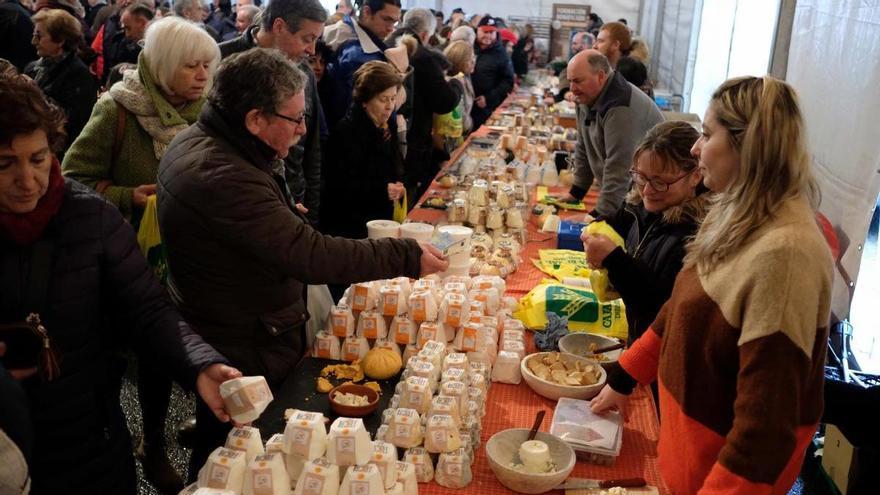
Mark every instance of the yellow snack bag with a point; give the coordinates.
(585, 312)
(599, 278)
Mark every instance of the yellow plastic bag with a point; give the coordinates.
(150, 241)
(399, 214)
(599, 278)
(563, 263)
(583, 309)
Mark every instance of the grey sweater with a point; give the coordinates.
(609, 132)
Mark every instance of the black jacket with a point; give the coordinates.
(70, 83)
(102, 297)
(118, 49)
(492, 78)
(16, 29)
(359, 165)
(520, 57)
(655, 247)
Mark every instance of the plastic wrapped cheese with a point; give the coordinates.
(406, 475)
(417, 394)
(355, 348)
(454, 309)
(441, 434)
(385, 458)
(224, 470)
(246, 398)
(424, 467)
(404, 430)
(424, 284)
(428, 331)
(348, 443)
(478, 310)
(326, 346)
(319, 477)
(340, 323)
(371, 324)
(476, 395)
(305, 435)
(362, 480)
(403, 330)
(445, 405)
(453, 469)
(507, 368)
(468, 338)
(458, 391)
(275, 443)
(246, 439)
(266, 475)
(391, 301)
(489, 297)
(512, 324)
(363, 296)
(423, 306)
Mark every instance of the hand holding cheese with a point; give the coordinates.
(208, 386)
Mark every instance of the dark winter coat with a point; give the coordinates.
(102, 297)
(16, 29)
(70, 83)
(359, 165)
(655, 247)
(492, 78)
(239, 254)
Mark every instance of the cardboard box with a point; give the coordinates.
(837, 457)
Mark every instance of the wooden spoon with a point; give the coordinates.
(539, 418)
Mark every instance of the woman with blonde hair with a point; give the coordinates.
(738, 351)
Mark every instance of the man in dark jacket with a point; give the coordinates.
(493, 73)
(431, 94)
(294, 26)
(239, 251)
(15, 34)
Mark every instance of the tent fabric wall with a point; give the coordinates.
(608, 10)
(833, 65)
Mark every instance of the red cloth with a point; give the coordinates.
(508, 35)
(25, 229)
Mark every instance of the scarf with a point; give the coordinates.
(44, 66)
(26, 228)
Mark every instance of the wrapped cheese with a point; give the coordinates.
(489, 297)
(454, 308)
(381, 431)
(424, 284)
(362, 480)
(441, 405)
(478, 310)
(515, 346)
(488, 282)
(479, 367)
(387, 344)
(245, 398)
(481, 357)
(409, 351)
(355, 348)
(305, 435)
(319, 477)
(480, 382)
(458, 391)
(491, 322)
(513, 335)
(456, 360)
(459, 279)
(364, 296)
(246, 439)
(425, 370)
(224, 470)
(441, 434)
(507, 368)
(422, 306)
(391, 301)
(428, 331)
(326, 346)
(275, 443)
(385, 458)
(417, 394)
(424, 467)
(371, 324)
(396, 489)
(474, 410)
(266, 475)
(453, 469)
(295, 465)
(191, 489)
(340, 323)
(406, 475)
(403, 330)
(348, 443)
(454, 374)
(405, 284)
(448, 332)
(212, 491)
(512, 324)
(468, 338)
(404, 430)
(476, 395)
(434, 351)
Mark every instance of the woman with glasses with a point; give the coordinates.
(363, 163)
(661, 212)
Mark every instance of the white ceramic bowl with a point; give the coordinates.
(500, 450)
(554, 391)
(578, 343)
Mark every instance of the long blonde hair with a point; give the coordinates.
(764, 121)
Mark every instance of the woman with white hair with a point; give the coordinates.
(118, 154)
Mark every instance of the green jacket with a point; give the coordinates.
(90, 158)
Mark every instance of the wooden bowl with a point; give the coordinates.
(554, 391)
(578, 343)
(353, 411)
(500, 450)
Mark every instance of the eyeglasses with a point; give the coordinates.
(295, 121)
(656, 184)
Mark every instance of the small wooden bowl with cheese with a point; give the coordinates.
(352, 400)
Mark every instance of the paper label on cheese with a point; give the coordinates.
(369, 326)
(418, 308)
(218, 476)
(262, 481)
(339, 325)
(469, 338)
(243, 399)
(352, 351)
(323, 348)
(313, 484)
(360, 488)
(428, 333)
(389, 306)
(301, 440)
(453, 468)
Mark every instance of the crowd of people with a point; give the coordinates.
(262, 139)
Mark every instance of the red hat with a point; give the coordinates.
(508, 35)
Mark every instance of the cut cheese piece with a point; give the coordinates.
(246, 439)
(479, 381)
(403, 330)
(319, 477)
(406, 475)
(246, 398)
(266, 475)
(381, 432)
(392, 301)
(305, 435)
(441, 434)
(349, 442)
(457, 283)
(425, 370)
(363, 296)
(224, 470)
(355, 348)
(405, 284)
(362, 480)
(454, 470)
(424, 467)
(489, 281)
(385, 458)
(340, 323)
(404, 428)
(513, 335)
(371, 325)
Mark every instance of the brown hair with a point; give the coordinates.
(26, 110)
(459, 53)
(619, 32)
(62, 27)
(671, 143)
(373, 78)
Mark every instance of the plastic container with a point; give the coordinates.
(594, 439)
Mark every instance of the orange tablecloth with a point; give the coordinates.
(515, 406)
